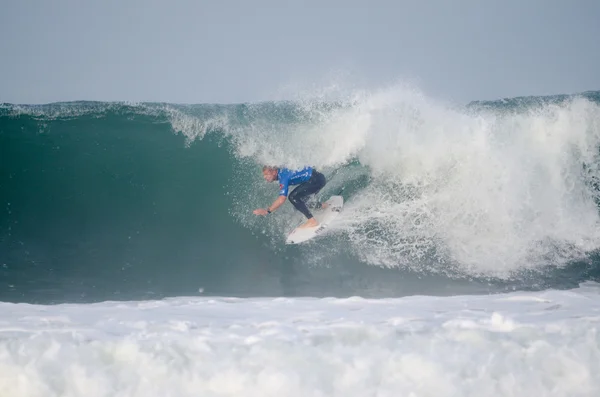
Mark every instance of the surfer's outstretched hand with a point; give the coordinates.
(260, 211)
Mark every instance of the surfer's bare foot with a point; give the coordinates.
(312, 222)
(324, 205)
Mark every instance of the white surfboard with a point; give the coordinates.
(324, 216)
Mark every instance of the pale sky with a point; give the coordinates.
(230, 51)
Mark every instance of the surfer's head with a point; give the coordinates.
(270, 173)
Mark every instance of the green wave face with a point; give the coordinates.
(130, 201)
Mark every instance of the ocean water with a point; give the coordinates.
(465, 261)
(512, 344)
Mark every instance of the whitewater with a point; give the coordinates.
(486, 192)
(465, 262)
(515, 344)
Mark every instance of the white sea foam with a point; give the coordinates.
(516, 344)
(490, 191)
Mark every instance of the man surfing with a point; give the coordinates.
(310, 182)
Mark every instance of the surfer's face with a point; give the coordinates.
(270, 175)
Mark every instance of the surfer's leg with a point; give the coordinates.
(300, 194)
(299, 203)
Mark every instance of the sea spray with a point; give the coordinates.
(486, 191)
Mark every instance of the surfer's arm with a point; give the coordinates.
(284, 184)
(283, 192)
(276, 204)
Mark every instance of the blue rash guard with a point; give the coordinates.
(292, 177)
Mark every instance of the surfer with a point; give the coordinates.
(310, 181)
